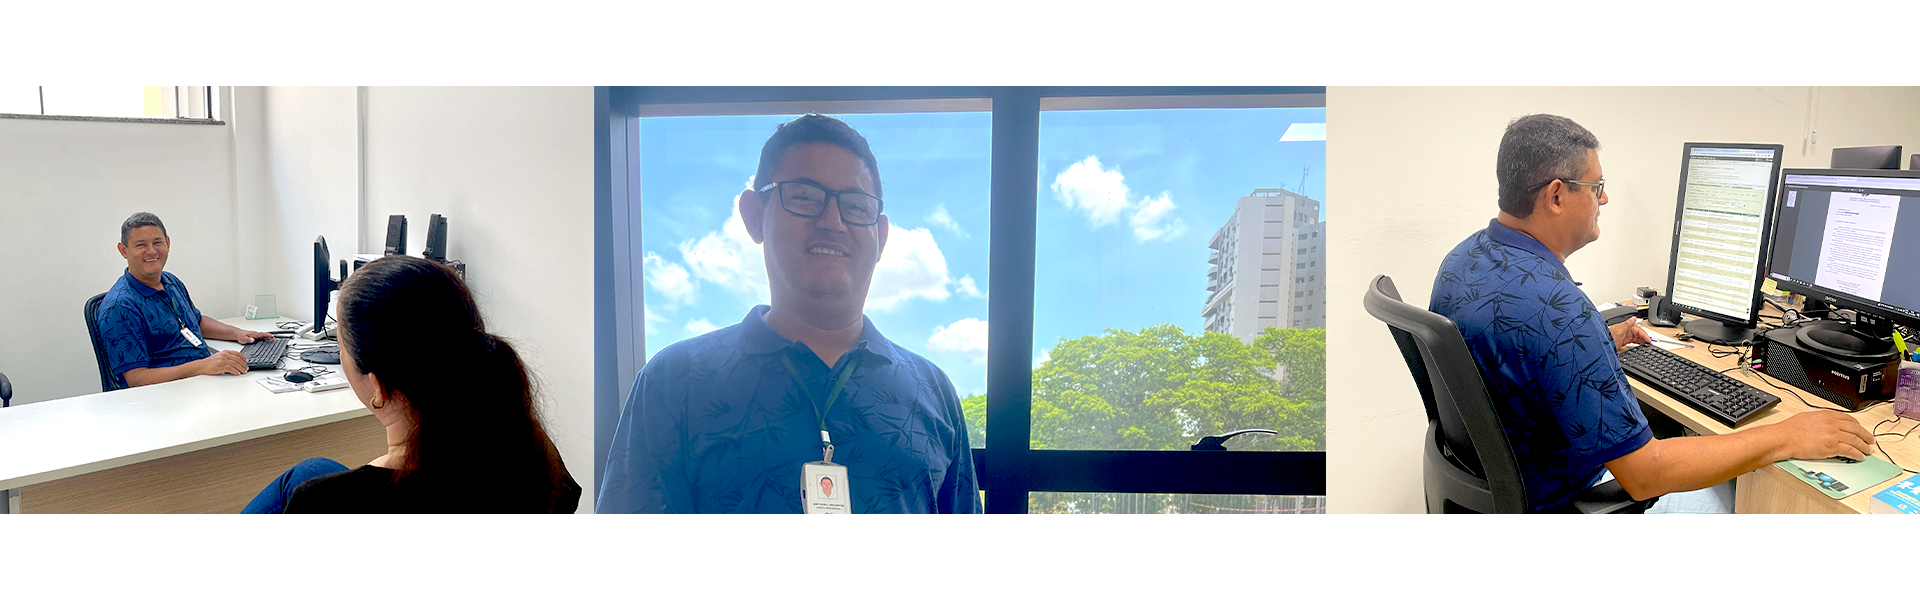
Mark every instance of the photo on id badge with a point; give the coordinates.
(826, 489)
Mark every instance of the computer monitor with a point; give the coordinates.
(1720, 235)
(1866, 157)
(1850, 238)
(323, 287)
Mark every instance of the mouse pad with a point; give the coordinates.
(1838, 478)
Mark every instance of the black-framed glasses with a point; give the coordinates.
(1599, 187)
(810, 200)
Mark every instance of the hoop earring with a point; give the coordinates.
(377, 404)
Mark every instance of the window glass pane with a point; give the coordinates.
(98, 100)
(1154, 504)
(1167, 259)
(702, 271)
(20, 99)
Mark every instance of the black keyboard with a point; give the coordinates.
(1724, 398)
(264, 355)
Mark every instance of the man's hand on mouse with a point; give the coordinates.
(1825, 434)
(224, 362)
(1628, 332)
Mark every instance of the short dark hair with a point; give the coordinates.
(1535, 149)
(814, 128)
(138, 220)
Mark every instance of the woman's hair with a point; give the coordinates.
(414, 323)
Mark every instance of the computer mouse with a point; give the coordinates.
(299, 377)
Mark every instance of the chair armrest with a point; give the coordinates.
(1610, 498)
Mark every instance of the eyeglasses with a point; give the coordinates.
(808, 200)
(1599, 187)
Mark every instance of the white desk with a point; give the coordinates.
(57, 439)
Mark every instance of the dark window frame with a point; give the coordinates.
(1008, 468)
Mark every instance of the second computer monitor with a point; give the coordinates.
(1866, 157)
(1724, 213)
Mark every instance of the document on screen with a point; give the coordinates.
(1859, 236)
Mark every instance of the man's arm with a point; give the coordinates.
(645, 473)
(222, 331)
(224, 362)
(960, 491)
(1690, 463)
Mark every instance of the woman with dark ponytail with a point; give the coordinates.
(463, 434)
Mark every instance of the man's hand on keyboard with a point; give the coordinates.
(248, 337)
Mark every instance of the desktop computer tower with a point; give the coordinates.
(1851, 385)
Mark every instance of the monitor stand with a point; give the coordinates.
(1715, 332)
(311, 332)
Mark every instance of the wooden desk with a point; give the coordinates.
(1770, 489)
(201, 444)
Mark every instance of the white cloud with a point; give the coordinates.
(967, 287)
(699, 326)
(652, 315)
(1041, 359)
(912, 266)
(668, 278)
(966, 337)
(729, 258)
(1087, 187)
(1154, 220)
(945, 220)
(1305, 132)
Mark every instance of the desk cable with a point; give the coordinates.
(1901, 435)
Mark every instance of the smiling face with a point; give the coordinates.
(820, 258)
(146, 252)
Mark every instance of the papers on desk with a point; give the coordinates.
(1838, 478)
(278, 385)
(1664, 342)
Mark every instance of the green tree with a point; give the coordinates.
(1161, 388)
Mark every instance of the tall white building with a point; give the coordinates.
(1269, 266)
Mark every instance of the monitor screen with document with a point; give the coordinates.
(1851, 238)
(1720, 236)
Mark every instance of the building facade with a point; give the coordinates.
(1269, 266)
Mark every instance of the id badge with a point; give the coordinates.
(191, 338)
(826, 489)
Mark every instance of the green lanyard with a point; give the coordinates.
(826, 441)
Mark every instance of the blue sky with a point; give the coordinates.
(1127, 203)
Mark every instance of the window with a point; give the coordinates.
(1060, 314)
(125, 101)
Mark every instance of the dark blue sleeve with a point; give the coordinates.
(1597, 408)
(646, 469)
(123, 334)
(960, 491)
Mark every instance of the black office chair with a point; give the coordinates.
(108, 382)
(6, 391)
(1469, 466)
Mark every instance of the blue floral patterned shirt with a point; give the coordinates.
(140, 326)
(715, 424)
(1547, 357)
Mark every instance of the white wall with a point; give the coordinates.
(512, 171)
(298, 176)
(1414, 170)
(65, 187)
